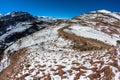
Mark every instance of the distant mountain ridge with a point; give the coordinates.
(15, 25)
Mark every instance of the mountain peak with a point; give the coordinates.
(16, 12)
(104, 11)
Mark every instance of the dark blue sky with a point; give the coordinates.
(58, 8)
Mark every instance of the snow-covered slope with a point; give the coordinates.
(102, 21)
(1, 15)
(20, 27)
(83, 48)
(44, 56)
(110, 13)
(88, 32)
(15, 25)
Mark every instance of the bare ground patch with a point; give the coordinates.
(16, 58)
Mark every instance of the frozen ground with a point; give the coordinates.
(45, 55)
(51, 57)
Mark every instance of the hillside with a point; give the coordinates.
(86, 47)
(15, 25)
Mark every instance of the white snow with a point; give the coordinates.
(115, 15)
(28, 78)
(49, 59)
(104, 11)
(117, 76)
(46, 18)
(46, 51)
(37, 56)
(40, 36)
(1, 15)
(4, 62)
(8, 13)
(110, 13)
(88, 32)
(19, 28)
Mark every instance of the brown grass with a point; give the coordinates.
(48, 77)
(77, 76)
(94, 76)
(108, 74)
(81, 43)
(12, 69)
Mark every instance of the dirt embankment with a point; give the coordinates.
(16, 58)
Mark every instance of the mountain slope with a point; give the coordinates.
(16, 25)
(76, 49)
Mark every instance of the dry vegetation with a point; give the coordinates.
(19, 63)
(16, 58)
(81, 43)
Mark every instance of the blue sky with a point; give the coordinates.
(58, 8)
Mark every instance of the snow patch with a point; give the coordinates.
(110, 13)
(19, 28)
(104, 11)
(88, 32)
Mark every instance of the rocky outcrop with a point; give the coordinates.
(14, 17)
